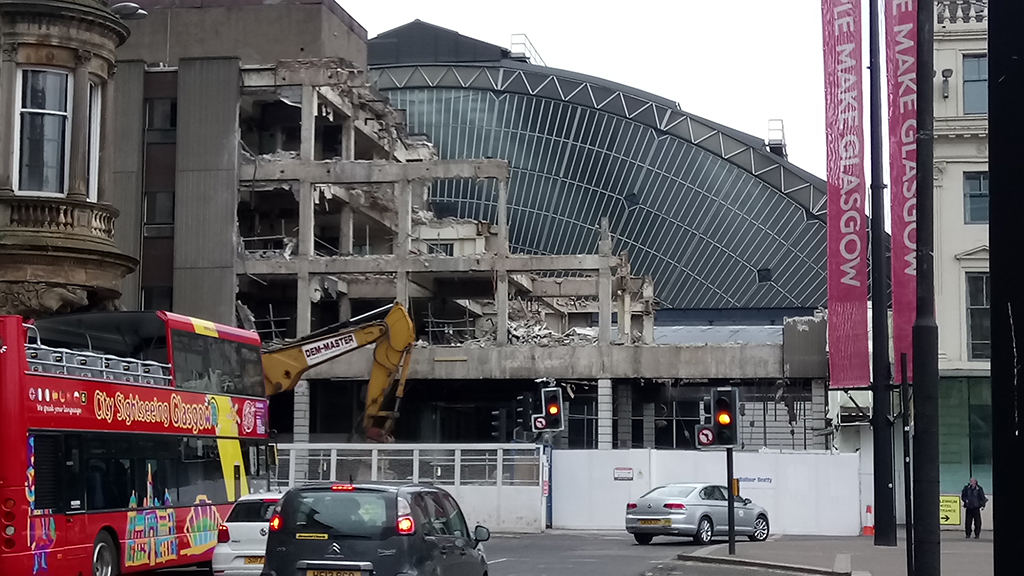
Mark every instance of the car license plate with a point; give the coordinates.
(663, 522)
(254, 560)
(334, 573)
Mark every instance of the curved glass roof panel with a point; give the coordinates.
(716, 221)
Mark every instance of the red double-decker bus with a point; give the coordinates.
(124, 437)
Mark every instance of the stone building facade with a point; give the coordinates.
(57, 252)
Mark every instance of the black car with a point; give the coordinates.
(372, 530)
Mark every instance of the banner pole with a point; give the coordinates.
(881, 424)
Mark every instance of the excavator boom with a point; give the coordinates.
(394, 336)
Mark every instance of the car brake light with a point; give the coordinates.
(223, 536)
(631, 506)
(275, 522)
(406, 525)
(675, 506)
(343, 487)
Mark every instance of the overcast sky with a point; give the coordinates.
(740, 63)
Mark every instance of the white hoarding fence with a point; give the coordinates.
(498, 485)
(805, 493)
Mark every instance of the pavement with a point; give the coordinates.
(614, 553)
(959, 555)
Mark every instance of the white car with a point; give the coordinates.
(242, 538)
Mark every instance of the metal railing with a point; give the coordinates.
(441, 464)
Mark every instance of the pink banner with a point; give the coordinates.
(901, 46)
(847, 225)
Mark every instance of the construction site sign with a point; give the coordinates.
(949, 510)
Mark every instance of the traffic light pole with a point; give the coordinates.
(1006, 209)
(732, 501)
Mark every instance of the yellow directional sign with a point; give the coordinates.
(949, 510)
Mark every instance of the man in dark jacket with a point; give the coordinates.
(973, 497)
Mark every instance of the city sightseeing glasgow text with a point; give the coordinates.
(851, 201)
(177, 413)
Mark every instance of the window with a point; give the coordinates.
(456, 521)
(252, 511)
(976, 84)
(157, 297)
(976, 197)
(160, 207)
(206, 364)
(93, 146)
(42, 142)
(679, 492)
(363, 514)
(979, 326)
(114, 471)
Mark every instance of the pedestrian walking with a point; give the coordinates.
(974, 499)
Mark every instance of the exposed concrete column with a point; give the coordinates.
(8, 98)
(604, 307)
(502, 216)
(344, 308)
(345, 241)
(348, 139)
(502, 302)
(604, 414)
(403, 244)
(308, 123)
(300, 427)
(625, 315)
(78, 175)
(624, 397)
(648, 425)
(604, 288)
(303, 305)
(107, 127)
(648, 318)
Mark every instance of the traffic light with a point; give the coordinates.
(525, 411)
(725, 418)
(552, 417)
(499, 428)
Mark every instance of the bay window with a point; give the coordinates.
(43, 138)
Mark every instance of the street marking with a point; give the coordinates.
(843, 564)
(708, 550)
(496, 561)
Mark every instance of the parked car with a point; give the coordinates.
(697, 510)
(242, 538)
(378, 529)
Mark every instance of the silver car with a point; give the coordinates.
(697, 510)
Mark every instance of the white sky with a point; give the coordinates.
(737, 62)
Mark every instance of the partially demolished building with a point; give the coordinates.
(283, 192)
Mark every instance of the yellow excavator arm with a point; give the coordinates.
(283, 367)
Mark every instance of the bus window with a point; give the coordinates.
(213, 365)
(74, 483)
(200, 472)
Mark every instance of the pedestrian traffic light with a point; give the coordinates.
(552, 416)
(725, 403)
(499, 429)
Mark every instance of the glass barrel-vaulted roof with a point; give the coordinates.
(715, 219)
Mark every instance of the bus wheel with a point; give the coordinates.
(104, 556)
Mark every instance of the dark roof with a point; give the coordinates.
(413, 42)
